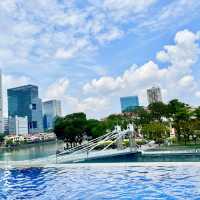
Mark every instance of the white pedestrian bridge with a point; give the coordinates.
(107, 146)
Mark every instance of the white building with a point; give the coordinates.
(18, 125)
(51, 110)
(154, 95)
(1, 105)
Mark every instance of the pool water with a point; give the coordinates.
(99, 182)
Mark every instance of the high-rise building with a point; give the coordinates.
(24, 101)
(1, 106)
(129, 104)
(6, 126)
(18, 125)
(51, 110)
(154, 95)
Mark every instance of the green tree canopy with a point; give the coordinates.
(155, 131)
(71, 128)
(158, 110)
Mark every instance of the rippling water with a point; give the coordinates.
(101, 182)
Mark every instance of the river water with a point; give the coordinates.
(30, 152)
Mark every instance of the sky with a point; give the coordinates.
(89, 53)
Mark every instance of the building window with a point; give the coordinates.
(34, 124)
(30, 125)
(33, 106)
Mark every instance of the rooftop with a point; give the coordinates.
(24, 87)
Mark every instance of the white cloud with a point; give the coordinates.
(72, 51)
(175, 79)
(187, 82)
(132, 78)
(110, 35)
(176, 11)
(197, 94)
(56, 31)
(57, 90)
(123, 9)
(99, 85)
(184, 53)
(90, 105)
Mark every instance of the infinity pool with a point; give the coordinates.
(96, 182)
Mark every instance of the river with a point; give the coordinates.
(30, 152)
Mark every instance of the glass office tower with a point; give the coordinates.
(129, 104)
(51, 110)
(24, 101)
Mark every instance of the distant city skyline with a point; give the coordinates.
(90, 54)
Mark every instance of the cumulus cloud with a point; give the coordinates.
(90, 105)
(184, 53)
(55, 32)
(175, 79)
(57, 90)
(101, 96)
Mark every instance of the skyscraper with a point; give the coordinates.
(6, 126)
(1, 105)
(128, 104)
(24, 101)
(51, 110)
(154, 95)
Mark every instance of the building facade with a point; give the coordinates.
(51, 110)
(129, 104)
(154, 95)
(18, 125)
(1, 105)
(24, 101)
(6, 125)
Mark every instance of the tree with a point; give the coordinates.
(158, 110)
(2, 138)
(155, 131)
(197, 113)
(179, 112)
(59, 128)
(112, 120)
(71, 128)
(175, 106)
(95, 128)
(141, 117)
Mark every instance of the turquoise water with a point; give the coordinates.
(102, 182)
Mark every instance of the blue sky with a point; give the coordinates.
(88, 53)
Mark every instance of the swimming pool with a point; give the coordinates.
(102, 181)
